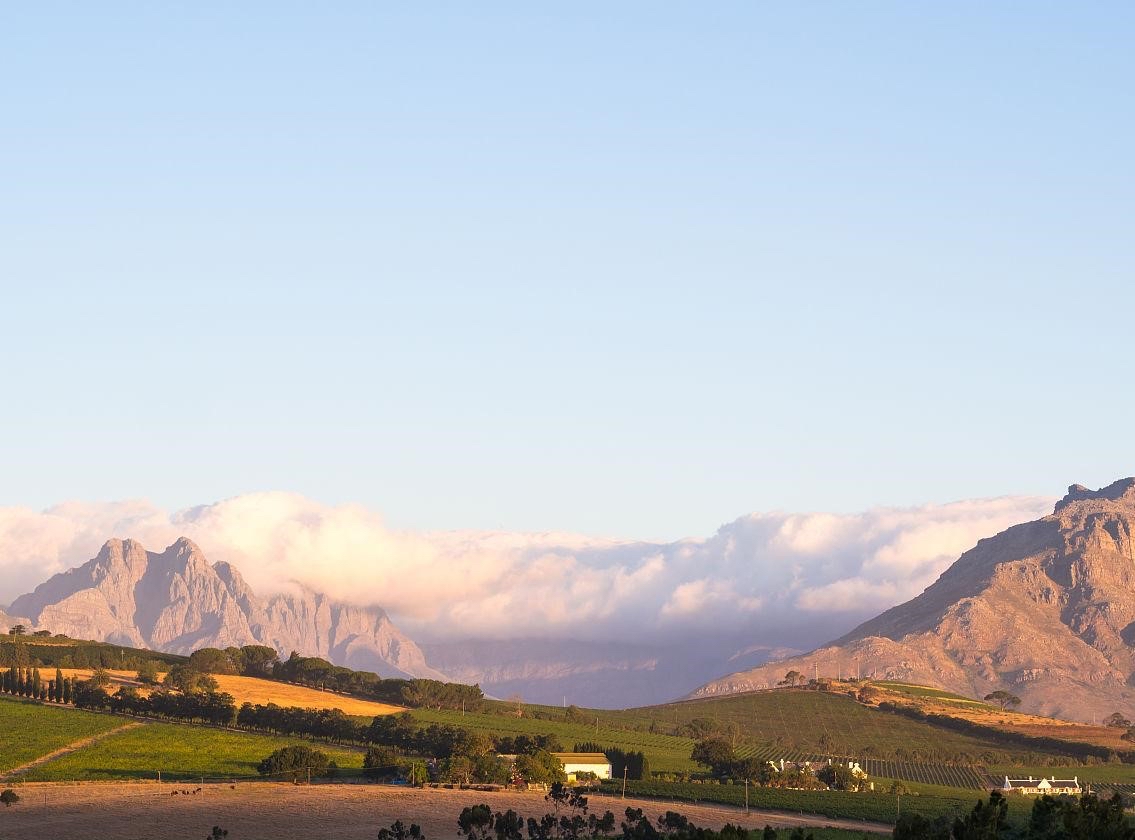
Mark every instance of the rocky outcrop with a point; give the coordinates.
(176, 601)
(1045, 610)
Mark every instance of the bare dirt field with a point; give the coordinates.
(261, 811)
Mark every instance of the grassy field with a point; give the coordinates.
(258, 691)
(1118, 773)
(876, 807)
(795, 724)
(178, 751)
(666, 753)
(29, 730)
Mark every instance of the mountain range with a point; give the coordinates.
(1045, 610)
(176, 601)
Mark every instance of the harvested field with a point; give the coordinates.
(253, 690)
(259, 811)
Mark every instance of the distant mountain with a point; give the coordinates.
(177, 602)
(1044, 609)
(7, 622)
(607, 675)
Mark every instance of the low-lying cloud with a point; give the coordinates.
(767, 573)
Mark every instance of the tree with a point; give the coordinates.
(189, 680)
(211, 661)
(792, 678)
(18, 630)
(1003, 698)
(1117, 720)
(9, 797)
(986, 821)
(540, 767)
(258, 660)
(399, 831)
(715, 753)
(148, 672)
(294, 762)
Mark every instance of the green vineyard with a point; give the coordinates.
(944, 775)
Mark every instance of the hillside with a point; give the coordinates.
(1045, 610)
(175, 601)
(262, 692)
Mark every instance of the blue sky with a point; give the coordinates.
(628, 270)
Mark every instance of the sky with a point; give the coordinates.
(630, 271)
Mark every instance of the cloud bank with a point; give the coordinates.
(776, 574)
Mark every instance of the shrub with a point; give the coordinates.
(9, 797)
(294, 762)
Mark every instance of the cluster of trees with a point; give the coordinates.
(28, 682)
(328, 724)
(296, 762)
(25, 651)
(417, 693)
(633, 764)
(195, 707)
(1088, 818)
(716, 753)
(570, 819)
(262, 661)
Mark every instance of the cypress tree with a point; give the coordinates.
(67, 690)
(37, 683)
(51, 691)
(58, 686)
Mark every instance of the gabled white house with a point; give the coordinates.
(1041, 786)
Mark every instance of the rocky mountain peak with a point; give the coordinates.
(1045, 609)
(1121, 492)
(176, 601)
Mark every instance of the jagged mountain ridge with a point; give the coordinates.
(1045, 609)
(176, 601)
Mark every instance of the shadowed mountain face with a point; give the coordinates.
(176, 601)
(1045, 610)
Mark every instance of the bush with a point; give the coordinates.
(9, 797)
(294, 763)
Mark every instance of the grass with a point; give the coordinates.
(666, 753)
(800, 724)
(1119, 773)
(178, 751)
(874, 807)
(29, 730)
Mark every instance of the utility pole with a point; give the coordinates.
(816, 668)
(857, 669)
(746, 797)
(624, 781)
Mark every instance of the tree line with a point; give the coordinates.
(28, 682)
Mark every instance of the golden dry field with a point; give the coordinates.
(977, 711)
(253, 690)
(264, 811)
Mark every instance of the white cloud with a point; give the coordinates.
(761, 573)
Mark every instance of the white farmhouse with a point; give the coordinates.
(1041, 786)
(574, 763)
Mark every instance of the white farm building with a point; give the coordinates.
(1038, 787)
(574, 763)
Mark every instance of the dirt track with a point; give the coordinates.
(260, 811)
